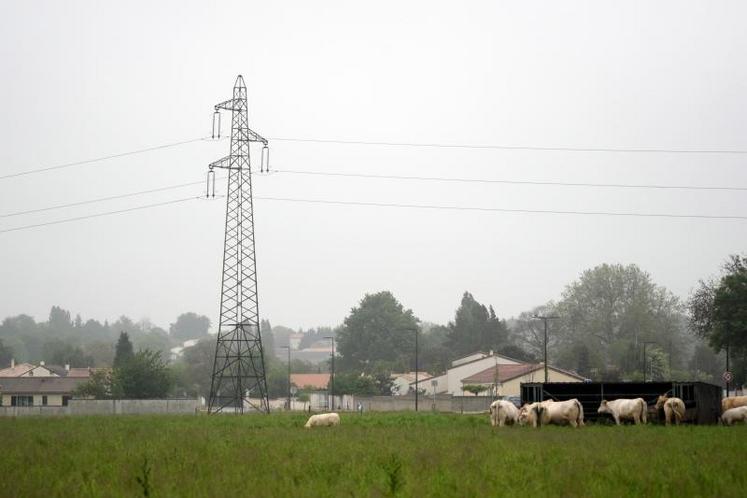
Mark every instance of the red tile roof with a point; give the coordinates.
(505, 372)
(315, 381)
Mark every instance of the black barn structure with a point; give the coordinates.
(702, 400)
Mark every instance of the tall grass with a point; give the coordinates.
(399, 454)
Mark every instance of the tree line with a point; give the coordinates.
(603, 319)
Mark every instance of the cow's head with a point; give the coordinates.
(603, 407)
(661, 400)
(525, 413)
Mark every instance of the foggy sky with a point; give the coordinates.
(87, 79)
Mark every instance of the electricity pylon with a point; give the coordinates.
(238, 379)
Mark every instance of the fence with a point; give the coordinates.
(107, 407)
(441, 403)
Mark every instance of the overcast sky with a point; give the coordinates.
(87, 79)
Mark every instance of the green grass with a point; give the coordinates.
(375, 455)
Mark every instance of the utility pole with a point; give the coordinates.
(289, 375)
(416, 369)
(332, 377)
(239, 363)
(727, 370)
(545, 319)
(645, 343)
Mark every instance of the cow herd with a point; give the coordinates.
(571, 412)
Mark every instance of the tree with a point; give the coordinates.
(378, 331)
(123, 351)
(143, 376)
(268, 341)
(612, 310)
(529, 333)
(59, 321)
(189, 326)
(718, 309)
(195, 368)
(434, 353)
(475, 389)
(475, 328)
(6, 354)
(718, 312)
(98, 386)
(58, 352)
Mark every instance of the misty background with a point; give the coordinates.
(84, 79)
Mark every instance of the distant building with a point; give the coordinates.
(494, 371)
(27, 370)
(402, 383)
(38, 391)
(505, 380)
(314, 381)
(451, 381)
(294, 341)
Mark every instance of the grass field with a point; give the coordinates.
(368, 455)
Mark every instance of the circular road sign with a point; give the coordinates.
(727, 376)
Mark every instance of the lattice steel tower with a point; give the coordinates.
(239, 366)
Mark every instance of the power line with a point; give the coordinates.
(505, 210)
(388, 144)
(108, 213)
(512, 182)
(101, 199)
(407, 206)
(102, 158)
(387, 177)
(515, 147)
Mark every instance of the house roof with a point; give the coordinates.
(485, 356)
(39, 385)
(410, 376)
(316, 381)
(16, 371)
(509, 372)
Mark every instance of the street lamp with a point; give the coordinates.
(645, 343)
(545, 319)
(289, 375)
(415, 329)
(332, 377)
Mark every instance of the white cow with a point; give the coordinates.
(733, 402)
(503, 413)
(732, 415)
(323, 420)
(568, 412)
(627, 409)
(674, 409)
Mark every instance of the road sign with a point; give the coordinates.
(727, 376)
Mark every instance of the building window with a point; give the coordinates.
(65, 399)
(44, 401)
(21, 401)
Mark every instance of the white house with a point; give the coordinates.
(451, 381)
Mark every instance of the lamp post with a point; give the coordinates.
(727, 370)
(332, 377)
(545, 319)
(416, 368)
(289, 375)
(645, 343)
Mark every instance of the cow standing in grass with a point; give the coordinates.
(503, 413)
(733, 402)
(625, 409)
(323, 420)
(674, 409)
(568, 412)
(732, 415)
